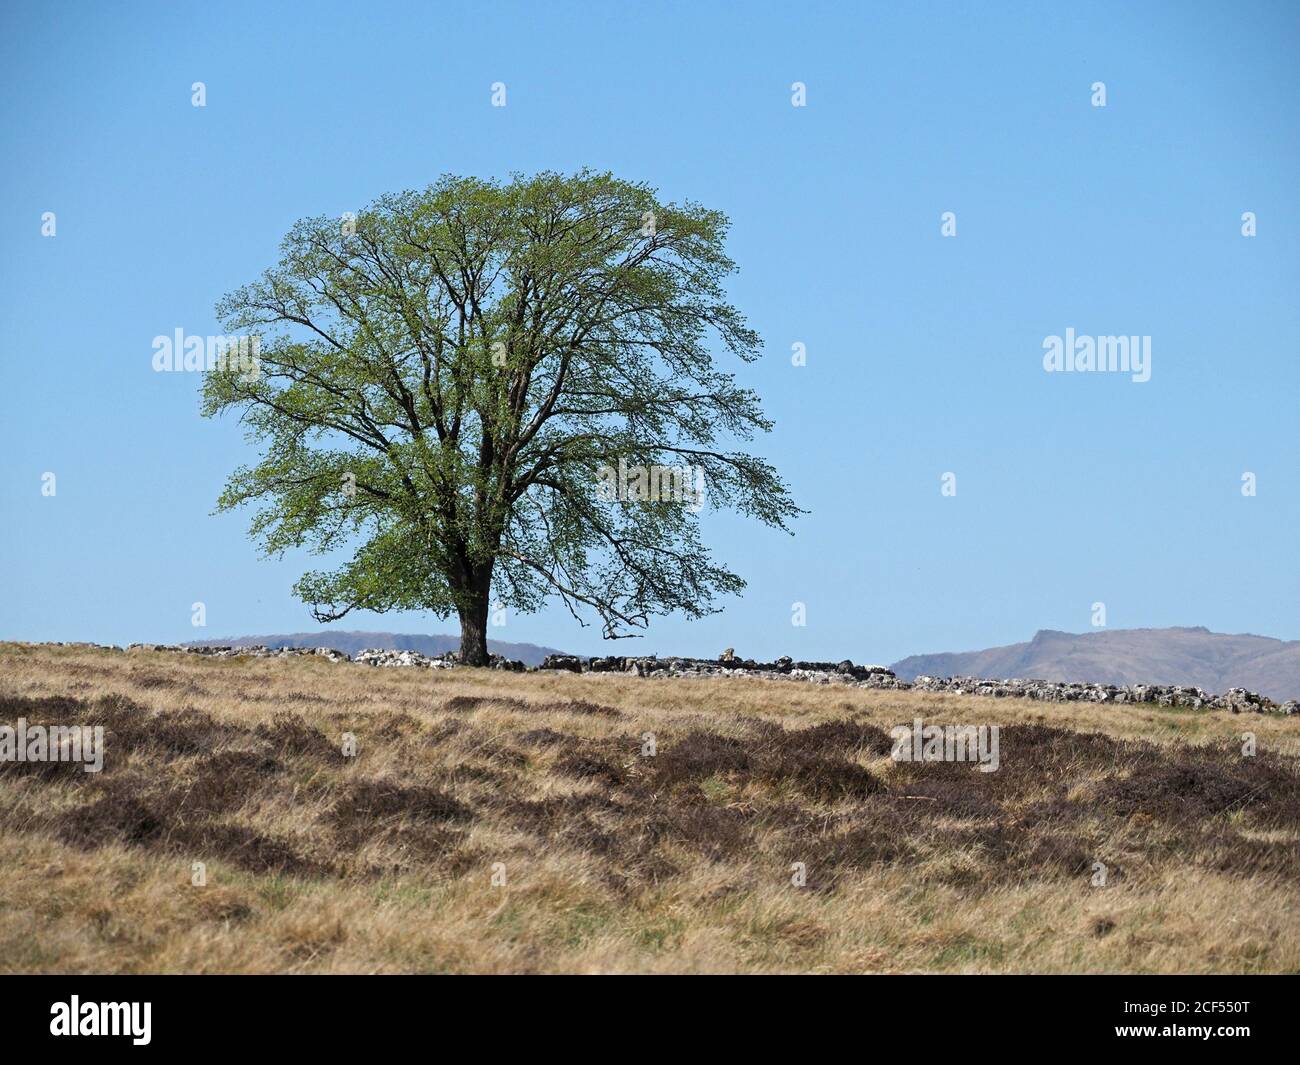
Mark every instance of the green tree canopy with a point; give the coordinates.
(447, 380)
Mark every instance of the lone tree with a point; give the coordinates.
(450, 379)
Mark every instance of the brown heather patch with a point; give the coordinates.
(545, 737)
(463, 703)
(370, 802)
(290, 736)
(578, 706)
(147, 678)
(614, 861)
(591, 767)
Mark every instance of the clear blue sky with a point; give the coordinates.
(924, 352)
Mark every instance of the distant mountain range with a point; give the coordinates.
(1211, 660)
(352, 642)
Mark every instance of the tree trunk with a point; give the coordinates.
(473, 627)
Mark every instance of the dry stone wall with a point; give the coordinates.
(728, 664)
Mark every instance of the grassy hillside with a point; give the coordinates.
(614, 861)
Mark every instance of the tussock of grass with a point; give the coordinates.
(614, 861)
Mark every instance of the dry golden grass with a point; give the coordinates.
(615, 862)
